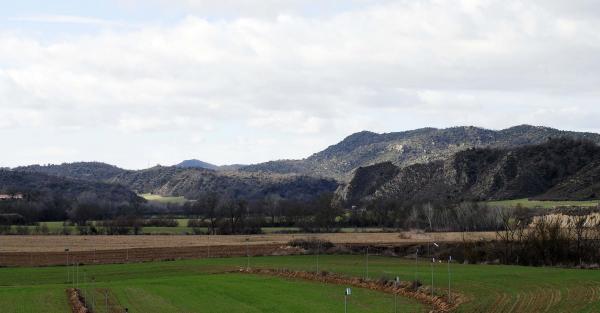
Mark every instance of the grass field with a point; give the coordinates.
(161, 199)
(526, 203)
(182, 229)
(200, 286)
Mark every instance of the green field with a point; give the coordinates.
(161, 199)
(526, 203)
(182, 229)
(201, 286)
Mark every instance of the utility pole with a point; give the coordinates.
(347, 293)
(416, 267)
(396, 294)
(93, 294)
(449, 280)
(318, 251)
(247, 255)
(67, 265)
(432, 261)
(85, 288)
(367, 262)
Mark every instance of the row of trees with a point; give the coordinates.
(550, 239)
(228, 215)
(224, 214)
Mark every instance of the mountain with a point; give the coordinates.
(190, 182)
(231, 167)
(410, 147)
(92, 171)
(194, 182)
(560, 168)
(451, 163)
(196, 164)
(584, 185)
(40, 185)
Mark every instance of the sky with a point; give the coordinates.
(138, 83)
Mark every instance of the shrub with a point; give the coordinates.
(196, 223)
(22, 230)
(161, 222)
(312, 244)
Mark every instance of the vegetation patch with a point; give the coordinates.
(549, 204)
(163, 199)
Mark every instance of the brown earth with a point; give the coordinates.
(91, 243)
(75, 301)
(51, 250)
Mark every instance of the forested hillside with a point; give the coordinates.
(410, 147)
(559, 168)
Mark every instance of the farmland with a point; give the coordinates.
(91, 243)
(528, 203)
(57, 228)
(205, 285)
(163, 199)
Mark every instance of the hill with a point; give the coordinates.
(193, 183)
(92, 171)
(197, 164)
(584, 185)
(560, 168)
(410, 147)
(190, 182)
(39, 185)
(51, 198)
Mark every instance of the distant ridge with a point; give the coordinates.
(559, 169)
(405, 148)
(369, 165)
(194, 163)
(93, 171)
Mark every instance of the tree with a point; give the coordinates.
(429, 213)
(325, 213)
(208, 206)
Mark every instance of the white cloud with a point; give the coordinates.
(283, 70)
(67, 19)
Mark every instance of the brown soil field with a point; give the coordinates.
(91, 243)
(51, 250)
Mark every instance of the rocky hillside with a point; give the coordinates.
(559, 168)
(410, 147)
(583, 185)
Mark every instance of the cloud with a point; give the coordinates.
(67, 19)
(294, 74)
(227, 9)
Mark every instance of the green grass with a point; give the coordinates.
(186, 286)
(161, 199)
(22, 299)
(195, 285)
(526, 203)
